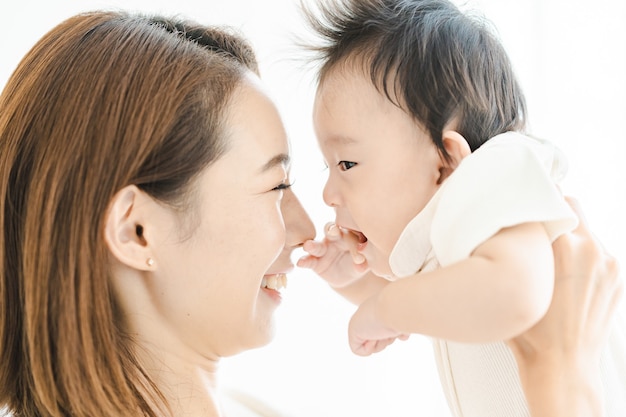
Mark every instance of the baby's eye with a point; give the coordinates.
(346, 165)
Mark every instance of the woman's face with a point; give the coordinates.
(210, 284)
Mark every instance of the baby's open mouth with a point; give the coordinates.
(360, 236)
(274, 281)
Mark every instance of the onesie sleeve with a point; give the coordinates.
(502, 184)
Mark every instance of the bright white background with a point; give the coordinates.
(571, 60)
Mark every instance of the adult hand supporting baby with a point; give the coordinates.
(559, 357)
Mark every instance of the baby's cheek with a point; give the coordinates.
(379, 263)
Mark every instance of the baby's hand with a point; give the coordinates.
(335, 258)
(367, 334)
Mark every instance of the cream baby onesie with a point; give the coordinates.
(509, 180)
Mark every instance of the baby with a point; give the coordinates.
(445, 210)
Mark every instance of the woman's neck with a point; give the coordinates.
(188, 383)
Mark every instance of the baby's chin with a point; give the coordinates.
(380, 266)
(377, 259)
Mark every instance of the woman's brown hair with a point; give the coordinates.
(102, 101)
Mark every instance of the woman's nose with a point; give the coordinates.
(298, 224)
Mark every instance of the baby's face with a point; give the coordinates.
(383, 168)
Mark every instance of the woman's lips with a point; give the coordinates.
(271, 284)
(274, 281)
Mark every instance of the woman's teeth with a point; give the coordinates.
(274, 282)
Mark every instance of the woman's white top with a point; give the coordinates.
(235, 403)
(510, 180)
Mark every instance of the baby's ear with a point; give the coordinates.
(124, 230)
(457, 148)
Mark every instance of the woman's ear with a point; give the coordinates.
(457, 148)
(124, 228)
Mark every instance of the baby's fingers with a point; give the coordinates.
(346, 240)
(307, 261)
(332, 232)
(372, 346)
(364, 349)
(314, 248)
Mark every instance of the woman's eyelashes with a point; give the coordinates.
(282, 186)
(346, 165)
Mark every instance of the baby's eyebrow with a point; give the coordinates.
(340, 140)
(280, 159)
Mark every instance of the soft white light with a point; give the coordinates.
(571, 61)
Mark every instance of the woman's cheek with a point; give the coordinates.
(269, 234)
(279, 234)
(278, 224)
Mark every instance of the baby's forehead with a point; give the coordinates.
(347, 66)
(352, 83)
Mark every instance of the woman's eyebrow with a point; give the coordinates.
(280, 159)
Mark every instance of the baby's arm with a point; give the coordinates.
(502, 289)
(363, 288)
(337, 261)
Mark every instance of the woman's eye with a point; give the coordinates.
(282, 186)
(346, 165)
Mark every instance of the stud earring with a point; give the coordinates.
(149, 261)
